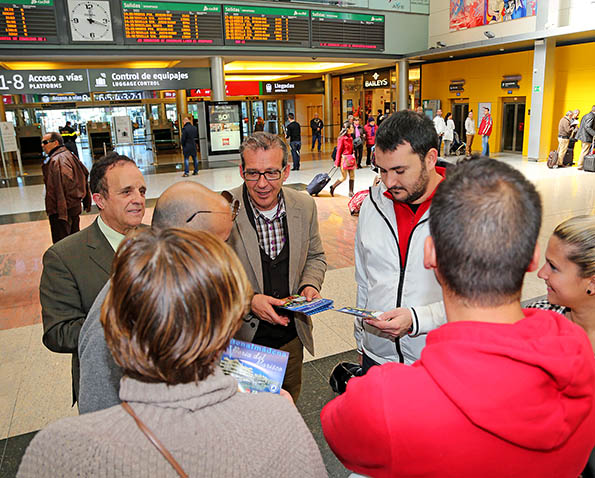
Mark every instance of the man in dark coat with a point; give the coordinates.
(189, 137)
(69, 136)
(586, 132)
(65, 179)
(316, 125)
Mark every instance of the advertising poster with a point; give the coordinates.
(224, 127)
(475, 13)
(123, 128)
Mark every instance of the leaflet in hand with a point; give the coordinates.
(255, 367)
(298, 303)
(364, 313)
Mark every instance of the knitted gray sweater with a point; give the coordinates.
(211, 430)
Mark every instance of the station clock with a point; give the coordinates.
(90, 20)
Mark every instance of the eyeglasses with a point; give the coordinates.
(234, 205)
(269, 175)
(46, 141)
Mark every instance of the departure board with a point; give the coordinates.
(165, 22)
(347, 30)
(266, 26)
(28, 21)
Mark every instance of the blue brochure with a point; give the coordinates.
(256, 368)
(298, 303)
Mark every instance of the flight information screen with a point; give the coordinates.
(266, 26)
(347, 30)
(177, 23)
(28, 21)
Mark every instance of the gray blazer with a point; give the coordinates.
(586, 131)
(74, 271)
(307, 262)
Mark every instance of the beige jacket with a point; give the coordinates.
(307, 262)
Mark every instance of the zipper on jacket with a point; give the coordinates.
(402, 266)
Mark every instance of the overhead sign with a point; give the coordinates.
(18, 82)
(377, 79)
(347, 30)
(307, 87)
(506, 84)
(126, 95)
(125, 79)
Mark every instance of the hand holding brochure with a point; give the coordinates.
(255, 367)
(298, 303)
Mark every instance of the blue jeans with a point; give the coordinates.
(316, 137)
(194, 160)
(485, 145)
(295, 153)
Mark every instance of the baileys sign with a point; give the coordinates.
(377, 79)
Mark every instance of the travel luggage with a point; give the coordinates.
(319, 182)
(355, 203)
(569, 156)
(589, 161)
(552, 159)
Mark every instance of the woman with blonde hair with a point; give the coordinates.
(345, 158)
(569, 273)
(177, 298)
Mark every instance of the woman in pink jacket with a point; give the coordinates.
(345, 158)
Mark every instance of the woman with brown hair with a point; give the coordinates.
(177, 298)
(345, 158)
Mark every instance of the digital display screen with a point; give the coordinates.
(225, 132)
(266, 26)
(176, 23)
(347, 30)
(28, 21)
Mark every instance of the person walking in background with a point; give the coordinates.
(564, 134)
(359, 136)
(485, 130)
(440, 126)
(294, 135)
(345, 158)
(371, 130)
(380, 117)
(69, 135)
(259, 125)
(65, 180)
(448, 133)
(316, 126)
(188, 141)
(585, 135)
(469, 133)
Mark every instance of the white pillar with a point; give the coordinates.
(217, 79)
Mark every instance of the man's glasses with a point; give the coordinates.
(46, 141)
(269, 175)
(234, 205)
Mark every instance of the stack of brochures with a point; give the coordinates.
(298, 303)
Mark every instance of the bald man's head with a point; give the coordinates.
(183, 199)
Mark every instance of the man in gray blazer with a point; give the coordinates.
(277, 240)
(586, 132)
(76, 268)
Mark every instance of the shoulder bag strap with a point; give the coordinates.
(153, 439)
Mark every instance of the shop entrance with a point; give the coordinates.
(459, 115)
(513, 125)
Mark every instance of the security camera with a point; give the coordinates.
(440, 44)
(314, 57)
(489, 34)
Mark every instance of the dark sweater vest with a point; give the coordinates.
(275, 278)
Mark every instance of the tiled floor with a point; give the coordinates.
(35, 383)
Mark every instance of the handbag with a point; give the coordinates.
(357, 142)
(342, 373)
(348, 161)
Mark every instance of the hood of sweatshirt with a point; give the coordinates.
(531, 383)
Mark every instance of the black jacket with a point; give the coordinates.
(189, 137)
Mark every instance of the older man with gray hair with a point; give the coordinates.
(564, 133)
(185, 204)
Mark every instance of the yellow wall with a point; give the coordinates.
(575, 85)
(482, 84)
(301, 110)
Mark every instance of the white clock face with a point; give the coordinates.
(90, 20)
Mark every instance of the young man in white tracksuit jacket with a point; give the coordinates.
(389, 244)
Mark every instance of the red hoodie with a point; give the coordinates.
(485, 400)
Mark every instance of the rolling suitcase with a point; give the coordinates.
(569, 156)
(589, 161)
(319, 182)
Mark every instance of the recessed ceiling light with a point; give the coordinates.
(451, 56)
(501, 49)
